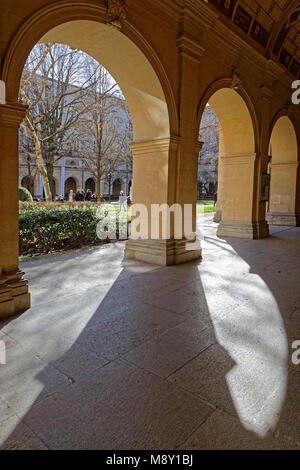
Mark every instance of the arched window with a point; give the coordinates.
(28, 183)
(117, 187)
(90, 184)
(70, 184)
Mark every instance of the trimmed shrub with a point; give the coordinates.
(43, 231)
(43, 205)
(25, 195)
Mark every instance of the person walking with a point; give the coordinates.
(81, 195)
(122, 202)
(215, 199)
(71, 196)
(88, 195)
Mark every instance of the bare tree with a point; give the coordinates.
(105, 131)
(56, 86)
(121, 155)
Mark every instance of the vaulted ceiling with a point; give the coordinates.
(273, 26)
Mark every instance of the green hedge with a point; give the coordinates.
(43, 205)
(43, 231)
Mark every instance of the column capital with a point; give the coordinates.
(161, 144)
(239, 159)
(12, 114)
(285, 165)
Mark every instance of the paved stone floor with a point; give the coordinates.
(123, 355)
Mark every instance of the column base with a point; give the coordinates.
(247, 230)
(7, 307)
(283, 218)
(218, 217)
(14, 295)
(163, 252)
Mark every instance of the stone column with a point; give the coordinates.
(165, 170)
(298, 195)
(155, 176)
(218, 214)
(283, 194)
(240, 179)
(243, 213)
(14, 296)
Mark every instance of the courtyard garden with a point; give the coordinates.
(51, 227)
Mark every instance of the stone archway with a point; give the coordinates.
(117, 187)
(283, 169)
(137, 69)
(70, 184)
(90, 185)
(237, 178)
(28, 183)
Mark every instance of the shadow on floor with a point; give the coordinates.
(140, 357)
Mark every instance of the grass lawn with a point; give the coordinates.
(200, 207)
(205, 209)
(206, 202)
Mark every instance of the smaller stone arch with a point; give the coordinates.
(90, 185)
(70, 183)
(28, 183)
(117, 187)
(238, 199)
(223, 97)
(283, 167)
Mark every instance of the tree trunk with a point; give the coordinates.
(99, 162)
(42, 170)
(98, 187)
(49, 167)
(109, 189)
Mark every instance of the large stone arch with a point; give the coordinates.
(284, 168)
(127, 55)
(130, 58)
(238, 156)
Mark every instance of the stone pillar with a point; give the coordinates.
(155, 179)
(14, 296)
(240, 179)
(165, 170)
(218, 214)
(282, 209)
(62, 180)
(41, 186)
(298, 195)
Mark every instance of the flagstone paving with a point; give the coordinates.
(125, 355)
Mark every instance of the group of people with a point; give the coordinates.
(79, 196)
